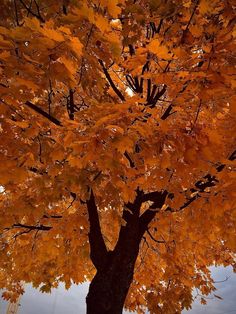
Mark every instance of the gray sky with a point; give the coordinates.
(61, 301)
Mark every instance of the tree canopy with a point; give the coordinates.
(127, 106)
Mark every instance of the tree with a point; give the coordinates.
(117, 148)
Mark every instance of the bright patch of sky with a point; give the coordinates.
(129, 91)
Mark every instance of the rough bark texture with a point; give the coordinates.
(115, 269)
(108, 289)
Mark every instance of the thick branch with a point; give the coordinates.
(152, 95)
(98, 250)
(158, 199)
(116, 90)
(129, 235)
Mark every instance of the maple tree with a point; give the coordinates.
(117, 148)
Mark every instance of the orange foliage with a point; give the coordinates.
(117, 96)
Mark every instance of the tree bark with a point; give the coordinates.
(115, 269)
(109, 287)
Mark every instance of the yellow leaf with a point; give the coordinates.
(196, 30)
(115, 48)
(52, 34)
(113, 9)
(65, 30)
(207, 6)
(32, 23)
(159, 49)
(69, 64)
(102, 23)
(180, 52)
(105, 119)
(85, 11)
(76, 46)
(163, 208)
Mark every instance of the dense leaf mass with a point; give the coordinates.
(128, 100)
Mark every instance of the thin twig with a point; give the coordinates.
(16, 14)
(151, 236)
(38, 16)
(43, 113)
(197, 114)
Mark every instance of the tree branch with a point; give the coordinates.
(70, 104)
(155, 99)
(16, 14)
(127, 156)
(38, 16)
(167, 112)
(53, 216)
(98, 250)
(27, 229)
(40, 227)
(131, 82)
(151, 236)
(129, 235)
(158, 199)
(43, 113)
(206, 182)
(116, 90)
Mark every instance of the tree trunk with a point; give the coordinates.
(109, 287)
(115, 269)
